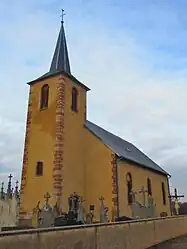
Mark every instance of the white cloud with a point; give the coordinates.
(129, 97)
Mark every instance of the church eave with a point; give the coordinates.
(49, 75)
(163, 172)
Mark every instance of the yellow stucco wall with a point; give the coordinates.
(98, 173)
(74, 166)
(41, 145)
(139, 179)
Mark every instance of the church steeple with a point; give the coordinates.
(60, 61)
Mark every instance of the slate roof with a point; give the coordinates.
(60, 61)
(124, 149)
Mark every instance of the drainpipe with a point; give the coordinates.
(169, 194)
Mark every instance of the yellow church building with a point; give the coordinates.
(65, 153)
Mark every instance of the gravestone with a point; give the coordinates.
(151, 211)
(89, 218)
(35, 221)
(47, 215)
(71, 203)
(143, 191)
(114, 214)
(90, 215)
(57, 210)
(103, 211)
(134, 205)
(80, 211)
(144, 209)
(9, 205)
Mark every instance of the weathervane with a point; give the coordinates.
(63, 14)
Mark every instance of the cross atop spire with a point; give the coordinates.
(60, 61)
(63, 14)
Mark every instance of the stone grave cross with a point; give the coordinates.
(143, 191)
(9, 186)
(176, 196)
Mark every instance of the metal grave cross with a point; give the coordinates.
(2, 190)
(16, 189)
(47, 197)
(176, 196)
(143, 191)
(2, 185)
(9, 186)
(10, 176)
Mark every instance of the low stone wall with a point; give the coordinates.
(139, 234)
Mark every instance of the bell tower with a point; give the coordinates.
(53, 150)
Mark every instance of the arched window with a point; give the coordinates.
(149, 190)
(129, 188)
(39, 168)
(74, 104)
(44, 96)
(163, 194)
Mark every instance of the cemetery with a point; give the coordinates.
(47, 215)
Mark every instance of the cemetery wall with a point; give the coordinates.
(138, 234)
(139, 178)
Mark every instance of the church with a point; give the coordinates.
(65, 153)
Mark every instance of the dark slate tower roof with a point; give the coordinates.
(60, 61)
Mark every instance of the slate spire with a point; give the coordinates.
(60, 61)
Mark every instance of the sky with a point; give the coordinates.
(131, 53)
